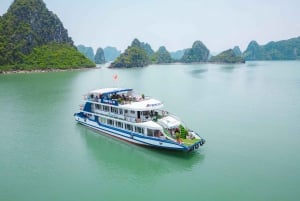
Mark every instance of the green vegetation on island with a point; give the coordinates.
(281, 50)
(198, 53)
(162, 56)
(134, 56)
(228, 56)
(147, 48)
(140, 54)
(29, 29)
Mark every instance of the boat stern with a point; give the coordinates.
(196, 145)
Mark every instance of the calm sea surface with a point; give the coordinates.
(249, 115)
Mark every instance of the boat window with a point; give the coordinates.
(97, 106)
(125, 111)
(155, 133)
(119, 124)
(105, 108)
(120, 111)
(128, 127)
(114, 110)
(150, 132)
(132, 112)
(110, 122)
(139, 130)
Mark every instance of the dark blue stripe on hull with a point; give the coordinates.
(144, 143)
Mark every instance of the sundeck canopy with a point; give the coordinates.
(110, 90)
(169, 122)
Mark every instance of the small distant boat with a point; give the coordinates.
(124, 114)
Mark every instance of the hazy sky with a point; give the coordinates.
(219, 24)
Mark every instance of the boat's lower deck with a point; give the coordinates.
(183, 144)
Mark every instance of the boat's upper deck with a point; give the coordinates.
(124, 98)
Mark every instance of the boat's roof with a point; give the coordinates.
(144, 105)
(141, 104)
(110, 90)
(169, 122)
(151, 125)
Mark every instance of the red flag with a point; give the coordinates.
(115, 76)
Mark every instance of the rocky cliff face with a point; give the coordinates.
(111, 53)
(253, 51)
(88, 52)
(198, 53)
(237, 51)
(27, 25)
(99, 57)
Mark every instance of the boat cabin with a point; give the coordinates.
(123, 104)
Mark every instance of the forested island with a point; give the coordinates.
(32, 37)
(140, 54)
(228, 56)
(136, 55)
(102, 55)
(198, 53)
(280, 50)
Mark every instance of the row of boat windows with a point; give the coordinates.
(129, 127)
(115, 110)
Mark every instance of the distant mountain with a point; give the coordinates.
(280, 50)
(237, 51)
(99, 57)
(177, 55)
(228, 56)
(198, 53)
(111, 53)
(254, 52)
(29, 29)
(87, 51)
(147, 48)
(162, 56)
(134, 56)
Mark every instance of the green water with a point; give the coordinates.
(249, 115)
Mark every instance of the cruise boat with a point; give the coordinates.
(122, 113)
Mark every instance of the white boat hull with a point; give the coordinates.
(133, 137)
